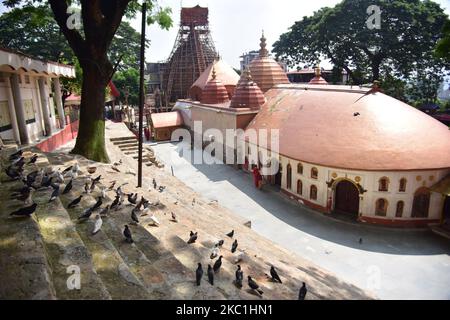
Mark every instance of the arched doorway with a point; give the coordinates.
(346, 198)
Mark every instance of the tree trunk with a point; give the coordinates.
(91, 133)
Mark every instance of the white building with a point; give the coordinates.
(30, 96)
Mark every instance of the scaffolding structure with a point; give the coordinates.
(192, 53)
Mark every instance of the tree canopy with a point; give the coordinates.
(402, 48)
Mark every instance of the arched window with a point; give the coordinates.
(402, 185)
(399, 209)
(313, 192)
(289, 176)
(381, 207)
(299, 187)
(421, 203)
(383, 184)
(299, 168)
(314, 173)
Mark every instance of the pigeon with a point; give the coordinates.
(192, 238)
(302, 292)
(76, 168)
(132, 198)
(253, 285)
(199, 274)
(217, 264)
(92, 188)
(25, 211)
(220, 243)
(46, 182)
(274, 275)
(193, 201)
(58, 177)
(111, 187)
(86, 214)
(239, 277)
(55, 193)
(104, 211)
(75, 201)
(86, 188)
(230, 234)
(356, 114)
(33, 159)
(115, 203)
(210, 275)
(134, 216)
(154, 220)
(234, 246)
(161, 188)
(118, 163)
(214, 252)
(31, 177)
(15, 155)
(174, 217)
(98, 224)
(97, 179)
(68, 187)
(103, 192)
(67, 169)
(115, 168)
(12, 173)
(98, 204)
(127, 234)
(154, 183)
(19, 162)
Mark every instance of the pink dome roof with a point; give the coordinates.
(214, 92)
(318, 79)
(353, 128)
(266, 72)
(248, 94)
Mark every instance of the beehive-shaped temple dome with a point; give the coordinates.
(318, 78)
(248, 94)
(214, 91)
(266, 72)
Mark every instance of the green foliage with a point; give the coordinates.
(402, 49)
(443, 46)
(128, 81)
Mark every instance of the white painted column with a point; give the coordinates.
(59, 106)
(45, 106)
(20, 111)
(12, 111)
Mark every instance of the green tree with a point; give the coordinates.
(127, 81)
(91, 45)
(443, 46)
(402, 47)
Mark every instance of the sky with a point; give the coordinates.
(236, 25)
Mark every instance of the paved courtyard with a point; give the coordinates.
(394, 264)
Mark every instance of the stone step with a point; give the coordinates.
(119, 139)
(119, 280)
(25, 273)
(127, 145)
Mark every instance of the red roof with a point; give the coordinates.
(166, 119)
(248, 94)
(114, 90)
(347, 127)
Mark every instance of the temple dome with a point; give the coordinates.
(248, 94)
(214, 92)
(318, 78)
(224, 73)
(353, 128)
(266, 72)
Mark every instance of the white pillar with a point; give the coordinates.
(45, 106)
(20, 111)
(59, 106)
(12, 112)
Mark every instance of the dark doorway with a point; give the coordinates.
(346, 198)
(446, 213)
(278, 177)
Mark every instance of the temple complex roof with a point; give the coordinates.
(214, 91)
(248, 94)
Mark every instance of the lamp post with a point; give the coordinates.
(141, 94)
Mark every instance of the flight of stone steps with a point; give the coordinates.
(129, 146)
(38, 253)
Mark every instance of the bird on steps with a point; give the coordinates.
(302, 292)
(104, 211)
(103, 192)
(134, 216)
(174, 217)
(154, 221)
(127, 234)
(154, 183)
(193, 237)
(230, 234)
(234, 246)
(210, 275)
(98, 204)
(98, 224)
(16, 155)
(25, 211)
(33, 159)
(274, 275)
(132, 198)
(220, 243)
(115, 203)
(217, 264)
(68, 187)
(198, 274)
(239, 277)
(253, 285)
(55, 193)
(67, 169)
(86, 214)
(215, 252)
(75, 201)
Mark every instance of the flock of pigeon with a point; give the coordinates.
(50, 178)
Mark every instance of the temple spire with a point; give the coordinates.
(263, 51)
